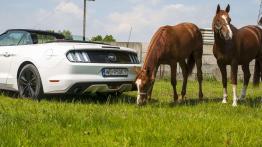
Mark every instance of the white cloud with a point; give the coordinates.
(69, 8)
(148, 2)
(257, 1)
(145, 20)
(144, 16)
(66, 15)
(104, 17)
(121, 22)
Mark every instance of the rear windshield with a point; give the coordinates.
(42, 38)
(14, 37)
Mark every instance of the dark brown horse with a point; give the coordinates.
(171, 45)
(236, 47)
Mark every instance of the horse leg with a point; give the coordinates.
(260, 63)
(234, 68)
(173, 80)
(247, 76)
(223, 71)
(153, 82)
(150, 91)
(185, 77)
(199, 76)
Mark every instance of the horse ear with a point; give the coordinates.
(218, 8)
(228, 8)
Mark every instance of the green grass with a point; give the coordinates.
(91, 121)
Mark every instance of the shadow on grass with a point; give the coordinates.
(251, 102)
(130, 99)
(93, 98)
(114, 98)
(127, 98)
(194, 102)
(10, 94)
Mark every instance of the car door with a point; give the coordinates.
(8, 42)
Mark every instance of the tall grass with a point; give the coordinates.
(117, 121)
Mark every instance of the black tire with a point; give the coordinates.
(29, 83)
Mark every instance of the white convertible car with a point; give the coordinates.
(34, 63)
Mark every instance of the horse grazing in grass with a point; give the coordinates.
(170, 45)
(236, 47)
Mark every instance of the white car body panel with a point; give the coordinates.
(5, 63)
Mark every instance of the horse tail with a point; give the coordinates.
(190, 64)
(257, 73)
(191, 60)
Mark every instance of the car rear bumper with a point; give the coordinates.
(103, 87)
(88, 78)
(81, 87)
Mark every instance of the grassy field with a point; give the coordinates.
(92, 121)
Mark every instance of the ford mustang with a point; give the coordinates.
(34, 63)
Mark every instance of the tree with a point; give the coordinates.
(107, 38)
(98, 38)
(68, 35)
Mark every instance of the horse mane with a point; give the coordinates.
(157, 41)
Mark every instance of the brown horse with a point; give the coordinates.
(171, 45)
(236, 47)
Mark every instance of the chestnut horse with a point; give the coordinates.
(170, 45)
(236, 47)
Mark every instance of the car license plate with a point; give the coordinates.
(115, 72)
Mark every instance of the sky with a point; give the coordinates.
(117, 17)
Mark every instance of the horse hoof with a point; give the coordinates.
(176, 98)
(179, 101)
(242, 98)
(141, 102)
(200, 96)
(224, 101)
(234, 104)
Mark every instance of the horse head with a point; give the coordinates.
(143, 83)
(221, 23)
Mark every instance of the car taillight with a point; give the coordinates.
(78, 56)
(133, 58)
